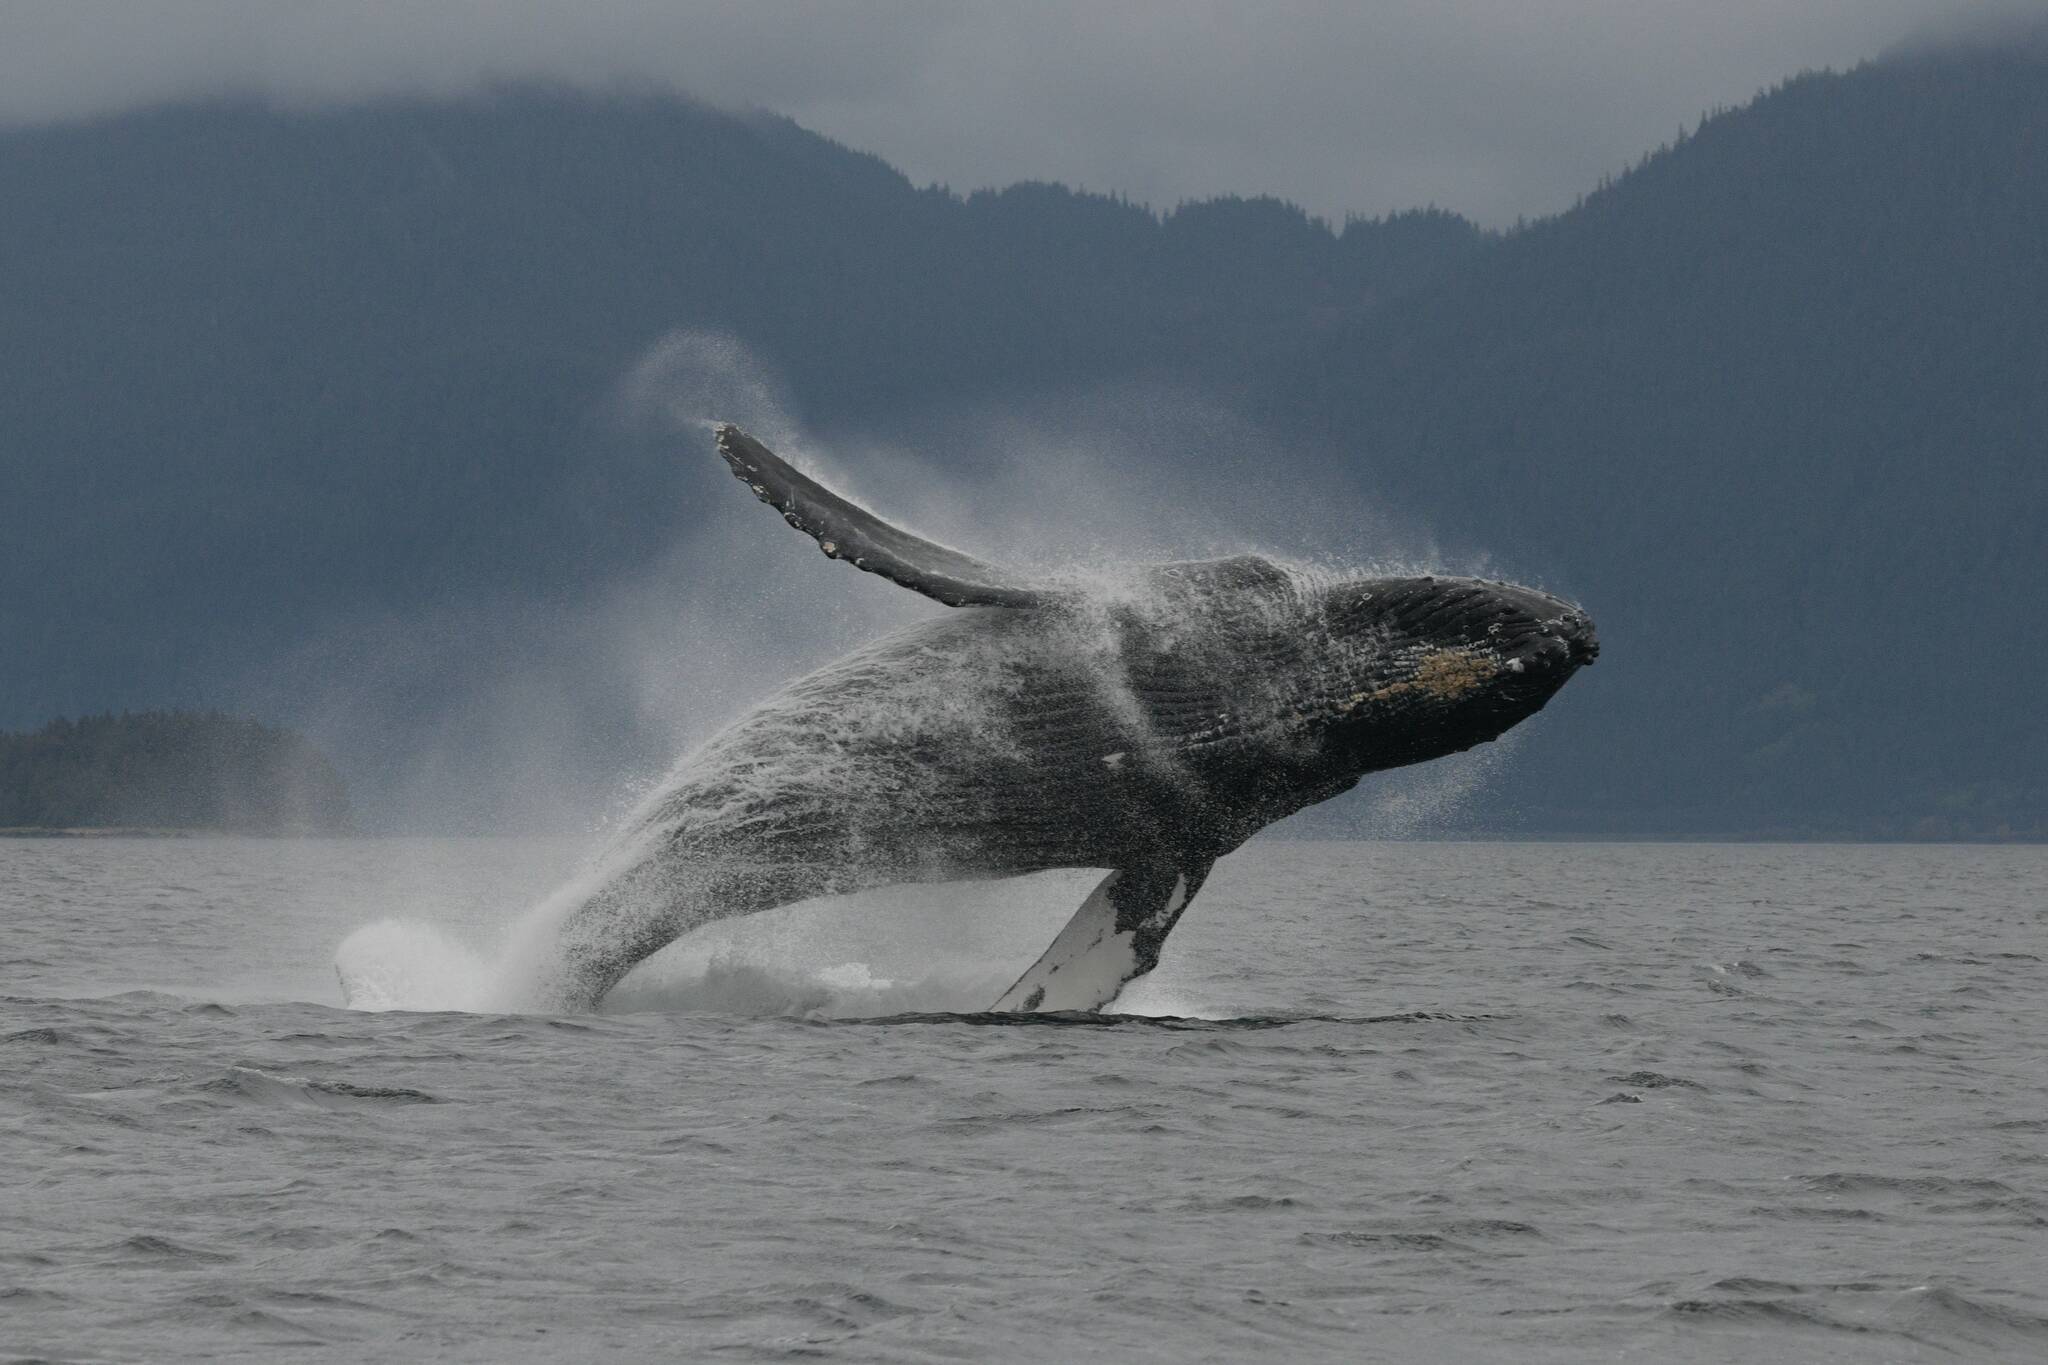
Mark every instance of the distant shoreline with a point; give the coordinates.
(155, 832)
(166, 774)
(1520, 837)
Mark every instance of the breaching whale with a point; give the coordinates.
(1046, 724)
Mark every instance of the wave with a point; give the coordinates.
(257, 1086)
(1932, 1314)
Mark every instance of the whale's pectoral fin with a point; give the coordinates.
(1113, 939)
(846, 531)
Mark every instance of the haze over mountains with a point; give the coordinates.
(303, 408)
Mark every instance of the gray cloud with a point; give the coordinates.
(1492, 107)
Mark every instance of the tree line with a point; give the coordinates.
(181, 770)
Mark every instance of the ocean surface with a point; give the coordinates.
(1402, 1101)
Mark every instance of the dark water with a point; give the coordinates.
(1462, 1102)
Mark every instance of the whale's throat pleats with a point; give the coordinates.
(845, 530)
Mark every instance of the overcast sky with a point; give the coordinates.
(1491, 107)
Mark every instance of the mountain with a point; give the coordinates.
(1770, 403)
(267, 368)
(1775, 402)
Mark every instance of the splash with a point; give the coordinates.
(732, 984)
(939, 948)
(394, 965)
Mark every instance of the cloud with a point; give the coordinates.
(1492, 107)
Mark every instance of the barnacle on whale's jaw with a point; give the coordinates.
(1443, 675)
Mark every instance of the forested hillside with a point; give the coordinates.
(1776, 403)
(164, 770)
(1771, 403)
(265, 366)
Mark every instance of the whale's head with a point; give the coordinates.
(1425, 666)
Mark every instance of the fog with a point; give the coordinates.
(1495, 108)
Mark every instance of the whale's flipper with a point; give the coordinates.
(845, 531)
(1112, 939)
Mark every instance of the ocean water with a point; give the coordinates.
(1409, 1101)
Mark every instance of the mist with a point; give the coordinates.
(1495, 110)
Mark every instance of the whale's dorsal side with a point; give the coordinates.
(846, 531)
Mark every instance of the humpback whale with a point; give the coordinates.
(1146, 729)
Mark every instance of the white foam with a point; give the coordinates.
(391, 965)
(1153, 998)
(734, 983)
(943, 948)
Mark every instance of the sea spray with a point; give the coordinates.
(395, 965)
